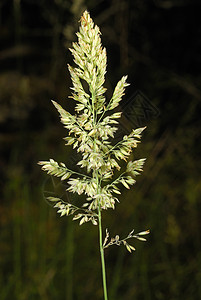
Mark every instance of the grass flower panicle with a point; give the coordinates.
(91, 131)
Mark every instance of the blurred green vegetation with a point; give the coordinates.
(43, 256)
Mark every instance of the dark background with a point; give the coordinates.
(158, 44)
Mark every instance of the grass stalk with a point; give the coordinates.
(102, 256)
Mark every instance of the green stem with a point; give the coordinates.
(102, 256)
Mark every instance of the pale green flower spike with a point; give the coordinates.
(90, 131)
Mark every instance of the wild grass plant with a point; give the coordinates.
(91, 131)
